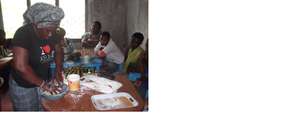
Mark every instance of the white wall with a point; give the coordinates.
(120, 17)
(112, 15)
(137, 18)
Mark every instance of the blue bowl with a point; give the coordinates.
(57, 96)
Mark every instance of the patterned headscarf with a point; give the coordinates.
(44, 15)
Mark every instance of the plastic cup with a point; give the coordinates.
(73, 82)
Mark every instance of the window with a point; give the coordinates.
(73, 22)
(52, 2)
(12, 15)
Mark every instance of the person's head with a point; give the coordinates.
(45, 18)
(136, 40)
(96, 27)
(2, 37)
(104, 38)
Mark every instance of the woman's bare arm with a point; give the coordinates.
(20, 63)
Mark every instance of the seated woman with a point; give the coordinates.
(108, 50)
(138, 73)
(142, 83)
(134, 54)
(90, 39)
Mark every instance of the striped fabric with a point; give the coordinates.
(24, 99)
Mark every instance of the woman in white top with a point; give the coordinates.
(108, 50)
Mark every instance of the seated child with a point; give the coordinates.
(108, 50)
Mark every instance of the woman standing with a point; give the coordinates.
(34, 45)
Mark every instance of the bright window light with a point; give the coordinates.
(74, 20)
(52, 2)
(12, 13)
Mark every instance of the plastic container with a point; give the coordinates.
(73, 82)
(113, 101)
(85, 59)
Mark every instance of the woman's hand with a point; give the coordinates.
(101, 54)
(45, 86)
(50, 87)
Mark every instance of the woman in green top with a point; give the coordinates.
(134, 53)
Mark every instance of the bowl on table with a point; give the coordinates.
(57, 96)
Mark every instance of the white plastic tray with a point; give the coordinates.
(113, 101)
